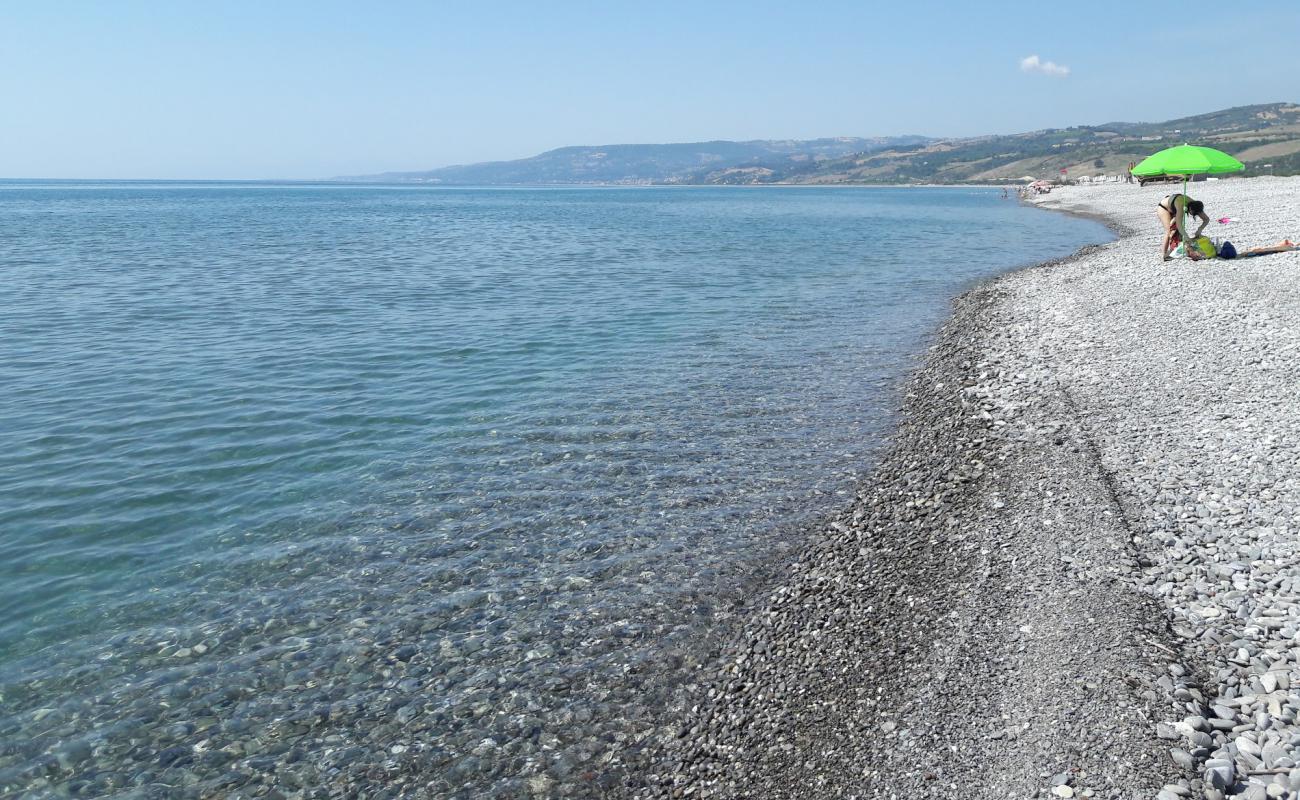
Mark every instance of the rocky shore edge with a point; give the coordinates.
(967, 627)
(1076, 572)
(963, 628)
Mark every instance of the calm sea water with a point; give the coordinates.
(441, 490)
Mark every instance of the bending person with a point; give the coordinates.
(1170, 212)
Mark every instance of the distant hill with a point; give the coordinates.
(651, 163)
(1258, 135)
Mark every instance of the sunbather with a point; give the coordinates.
(1284, 246)
(1170, 212)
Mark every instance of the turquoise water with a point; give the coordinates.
(437, 466)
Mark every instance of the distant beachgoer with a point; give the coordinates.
(1170, 212)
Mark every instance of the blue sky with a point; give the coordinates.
(292, 89)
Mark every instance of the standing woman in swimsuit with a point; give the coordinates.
(1170, 211)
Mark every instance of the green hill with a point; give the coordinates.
(649, 163)
(1258, 135)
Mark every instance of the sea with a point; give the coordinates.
(364, 490)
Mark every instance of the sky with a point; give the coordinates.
(176, 89)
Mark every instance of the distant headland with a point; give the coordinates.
(1265, 137)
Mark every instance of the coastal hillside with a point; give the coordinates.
(690, 162)
(1265, 137)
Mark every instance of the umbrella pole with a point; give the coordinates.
(1182, 215)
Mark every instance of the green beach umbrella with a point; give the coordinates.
(1185, 160)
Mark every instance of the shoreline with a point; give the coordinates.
(885, 605)
(988, 617)
(532, 653)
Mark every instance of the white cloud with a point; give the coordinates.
(1035, 64)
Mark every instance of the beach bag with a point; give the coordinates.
(1206, 246)
(1226, 250)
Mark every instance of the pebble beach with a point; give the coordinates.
(1073, 574)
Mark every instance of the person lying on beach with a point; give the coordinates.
(1284, 246)
(1170, 213)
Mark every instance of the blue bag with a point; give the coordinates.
(1226, 250)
